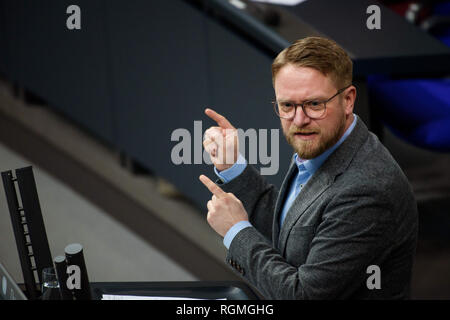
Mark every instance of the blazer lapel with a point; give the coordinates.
(318, 183)
(280, 202)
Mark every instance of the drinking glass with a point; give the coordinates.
(50, 284)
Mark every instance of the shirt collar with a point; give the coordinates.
(312, 165)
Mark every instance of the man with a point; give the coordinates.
(344, 224)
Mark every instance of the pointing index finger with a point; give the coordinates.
(214, 188)
(220, 119)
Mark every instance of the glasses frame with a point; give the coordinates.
(296, 105)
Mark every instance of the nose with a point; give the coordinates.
(300, 118)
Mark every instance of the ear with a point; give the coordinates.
(349, 97)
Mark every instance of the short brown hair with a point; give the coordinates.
(318, 53)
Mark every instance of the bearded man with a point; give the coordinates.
(344, 223)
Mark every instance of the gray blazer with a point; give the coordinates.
(357, 210)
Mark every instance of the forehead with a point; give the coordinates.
(301, 83)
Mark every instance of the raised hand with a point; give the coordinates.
(221, 142)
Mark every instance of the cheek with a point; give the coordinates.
(332, 122)
(285, 125)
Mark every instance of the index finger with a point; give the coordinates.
(220, 119)
(214, 188)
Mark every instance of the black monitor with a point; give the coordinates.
(9, 290)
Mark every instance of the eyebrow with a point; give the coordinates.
(315, 98)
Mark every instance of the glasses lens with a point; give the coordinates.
(284, 110)
(314, 109)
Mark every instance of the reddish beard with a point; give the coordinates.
(323, 140)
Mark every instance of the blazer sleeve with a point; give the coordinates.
(356, 227)
(258, 197)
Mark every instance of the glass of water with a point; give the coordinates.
(50, 285)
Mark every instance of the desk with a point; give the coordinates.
(231, 290)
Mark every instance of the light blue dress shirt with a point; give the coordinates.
(306, 169)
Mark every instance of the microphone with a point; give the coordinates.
(61, 274)
(76, 264)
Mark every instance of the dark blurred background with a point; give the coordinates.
(93, 110)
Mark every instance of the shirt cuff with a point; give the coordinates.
(234, 230)
(232, 172)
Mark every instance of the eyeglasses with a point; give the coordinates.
(313, 109)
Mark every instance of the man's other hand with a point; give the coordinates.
(224, 209)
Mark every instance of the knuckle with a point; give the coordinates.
(215, 133)
(230, 196)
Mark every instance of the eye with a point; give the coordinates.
(313, 104)
(287, 104)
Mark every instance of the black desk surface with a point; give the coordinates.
(230, 290)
